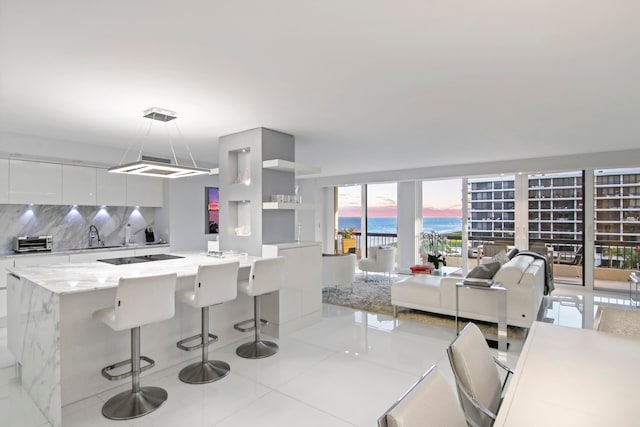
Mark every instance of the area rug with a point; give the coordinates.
(373, 294)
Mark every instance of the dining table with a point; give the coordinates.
(573, 377)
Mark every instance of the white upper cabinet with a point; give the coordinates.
(78, 185)
(4, 181)
(34, 182)
(112, 188)
(144, 191)
(38, 183)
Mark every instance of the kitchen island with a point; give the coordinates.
(61, 349)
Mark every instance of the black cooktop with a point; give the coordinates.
(141, 258)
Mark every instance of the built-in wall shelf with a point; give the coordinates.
(289, 206)
(239, 166)
(239, 218)
(287, 166)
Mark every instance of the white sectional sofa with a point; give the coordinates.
(523, 277)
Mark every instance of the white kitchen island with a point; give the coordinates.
(61, 349)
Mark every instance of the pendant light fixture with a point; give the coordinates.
(157, 167)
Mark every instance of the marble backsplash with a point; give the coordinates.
(69, 225)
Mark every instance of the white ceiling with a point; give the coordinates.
(362, 84)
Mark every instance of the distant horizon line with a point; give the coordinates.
(382, 216)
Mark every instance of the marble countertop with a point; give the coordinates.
(289, 245)
(85, 250)
(88, 276)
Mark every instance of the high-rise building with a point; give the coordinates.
(555, 203)
(617, 205)
(491, 208)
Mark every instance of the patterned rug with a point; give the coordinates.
(374, 295)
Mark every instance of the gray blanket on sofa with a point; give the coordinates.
(548, 274)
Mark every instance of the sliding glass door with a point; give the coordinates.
(556, 222)
(616, 227)
(442, 218)
(349, 221)
(491, 207)
(382, 214)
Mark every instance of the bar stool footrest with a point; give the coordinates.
(105, 371)
(180, 344)
(240, 326)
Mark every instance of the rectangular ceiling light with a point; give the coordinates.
(153, 166)
(157, 169)
(159, 114)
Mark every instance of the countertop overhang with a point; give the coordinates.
(88, 276)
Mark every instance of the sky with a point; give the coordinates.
(439, 198)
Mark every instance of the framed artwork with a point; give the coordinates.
(212, 214)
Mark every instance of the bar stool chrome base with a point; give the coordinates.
(204, 372)
(129, 404)
(257, 349)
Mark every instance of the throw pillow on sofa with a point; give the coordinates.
(484, 271)
(500, 257)
(482, 274)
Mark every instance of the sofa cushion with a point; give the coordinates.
(512, 271)
(484, 271)
(422, 288)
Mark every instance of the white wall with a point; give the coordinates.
(409, 223)
(184, 213)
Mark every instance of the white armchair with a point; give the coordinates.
(338, 269)
(380, 260)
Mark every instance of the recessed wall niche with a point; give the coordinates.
(239, 218)
(239, 166)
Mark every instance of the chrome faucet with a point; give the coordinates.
(93, 233)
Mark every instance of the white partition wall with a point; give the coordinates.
(245, 185)
(589, 232)
(328, 209)
(409, 223)
(521, 237)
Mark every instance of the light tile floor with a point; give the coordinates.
(343, 371)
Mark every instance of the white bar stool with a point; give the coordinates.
(266, 276)
(139, 301)
(214, 284)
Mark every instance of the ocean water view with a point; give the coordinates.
(439, 224)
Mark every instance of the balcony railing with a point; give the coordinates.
(373, 239)
(616, 255)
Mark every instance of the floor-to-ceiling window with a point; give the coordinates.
(616, 227)
(382, 214)
(349, 209)
(442, 217)
(556, 220)
(380, 220)
(491, 212)
(551, 207)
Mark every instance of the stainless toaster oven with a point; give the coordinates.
(33, 243)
